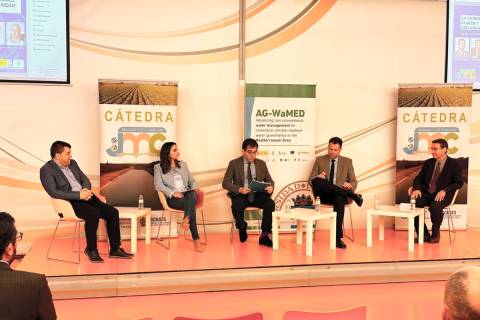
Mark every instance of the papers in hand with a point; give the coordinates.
(258, 185)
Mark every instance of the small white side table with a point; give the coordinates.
(309, 216)
(394, 211)
(133, 214)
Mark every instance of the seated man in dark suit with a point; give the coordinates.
(339, 186)
(435, 186)
(23, 295)
(62, 179)
(240, 172)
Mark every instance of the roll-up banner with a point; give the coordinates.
(281, 117)
(136, 118)
(425, 113)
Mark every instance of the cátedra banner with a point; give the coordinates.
(136, 118)
(425, 113)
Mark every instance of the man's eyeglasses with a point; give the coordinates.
(251, 151)
(19, 236)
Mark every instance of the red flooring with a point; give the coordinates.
(221, 254)
(397, 301)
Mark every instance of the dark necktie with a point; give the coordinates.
(251, 197)
(332, 171)
(433, 183)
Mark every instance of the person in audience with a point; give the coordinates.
(435, 185)
(240, 173)
(462, 295)
(333, 180)
(23, 295)
(174, 179)
(62, 178)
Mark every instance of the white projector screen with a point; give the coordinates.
(463, 42)
(34, 41)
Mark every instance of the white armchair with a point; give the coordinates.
(65, 212)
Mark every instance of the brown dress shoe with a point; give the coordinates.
(435, 239)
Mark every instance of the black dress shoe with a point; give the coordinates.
(340, 244)
(120, 254)
(242, 232)
(127, 253)
(357, 197)
(435, 239)
(93, 256)
(265, 241)
(426, 238)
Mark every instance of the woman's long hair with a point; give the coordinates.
(165, 157)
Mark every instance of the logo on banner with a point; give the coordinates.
(298, 191)
(134, 136)
(450, 129)
(428, 134)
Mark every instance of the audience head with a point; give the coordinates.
(8, 237)
(462, 295)
(439, 148)
(334, 147)
(61, 152)
(169, 152)
(250, 149)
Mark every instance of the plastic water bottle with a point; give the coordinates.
(412, 203)
(376, 203)
(288, 206)
(317, 204)
(140, 202)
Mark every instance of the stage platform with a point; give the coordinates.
(233, 266)
(404, 301)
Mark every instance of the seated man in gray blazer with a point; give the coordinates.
(240, 172)
(62, 178)
(333, 180)
(23, 295)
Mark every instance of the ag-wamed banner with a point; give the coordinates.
(426, 113)
(281, 117)
(136, 117)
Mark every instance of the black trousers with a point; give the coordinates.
(261, 200)
(436, 211)
(330, 193)
(187, 204)
(91, 211)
